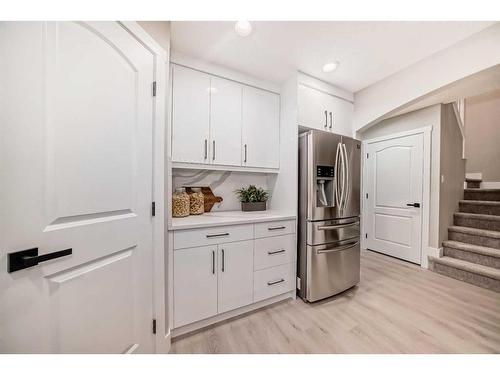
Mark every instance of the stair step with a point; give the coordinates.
(485, 256)
(480, 207)
(482, 194)
(471, 273)
(481, 221)
(473, 183)
(475, 236)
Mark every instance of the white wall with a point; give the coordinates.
(476, 53)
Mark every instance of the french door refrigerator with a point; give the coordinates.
(329, 201)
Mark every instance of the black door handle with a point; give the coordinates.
(28, 258)
(413, 204)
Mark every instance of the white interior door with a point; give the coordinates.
(76, 172)
(394, 183)
(225, 122)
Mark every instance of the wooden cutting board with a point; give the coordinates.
(209, 197)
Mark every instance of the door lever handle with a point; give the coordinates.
(29, 258)
(413, 204)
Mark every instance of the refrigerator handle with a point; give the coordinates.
(337, 186)
(346, 166)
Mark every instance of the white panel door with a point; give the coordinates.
(225, 122)
(235, 275)
(195, 284)
(76, 169)
(260, 132)
(394, 174)
(190, 115)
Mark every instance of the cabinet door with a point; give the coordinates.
(342, 114)
(313, 108)
(260, 132)
(190, 115)
(195, 284)
(235, 275)
(225, 122)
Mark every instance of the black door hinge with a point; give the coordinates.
(366, 195)
(154, 326)
(367, 155)
(154, 88)
(366, 235)
(153, 208)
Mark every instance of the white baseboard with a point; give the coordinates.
(436, 252)
(230, 314)
(490, 185)
(474, 176)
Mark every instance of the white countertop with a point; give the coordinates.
(215, 219)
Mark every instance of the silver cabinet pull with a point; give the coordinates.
(245, 159)
(275, 282)
(213, 262)
(217, 235)
(331, 120)
(276, 228)
(213, 150)
(223, 261)
(326, 118)
(276, 252)
(206, 148)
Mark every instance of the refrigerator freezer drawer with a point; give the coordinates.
(324, 232)
(331, 269)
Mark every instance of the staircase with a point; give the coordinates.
(472, 252)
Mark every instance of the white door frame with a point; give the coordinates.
(162, 338)
(426, 186)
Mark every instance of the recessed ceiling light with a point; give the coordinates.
(331, 66)
(243, 28)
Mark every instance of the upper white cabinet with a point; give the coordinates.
(260, 133)
(190, 115)
(225, 122)
(220, 122)
(320, 110)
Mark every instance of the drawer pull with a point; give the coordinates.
(275, 282)
(276, 252)
(217, 235)
(339, 226)
(276, 228)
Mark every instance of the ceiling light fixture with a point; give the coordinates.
(243, 28)
(331, 66)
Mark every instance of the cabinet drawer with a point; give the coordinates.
(273, 281)
(211, 236)
(274, 251)
(274, 228)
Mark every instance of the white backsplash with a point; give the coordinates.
(222, 183)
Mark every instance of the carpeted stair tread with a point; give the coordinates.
(483, 250)
(469, 215)
(468, 267)
(480, 203)
(476, 190)
(475, 231)
(473, 180)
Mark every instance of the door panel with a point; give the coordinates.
(260, 132)
(225, 122)
(312, 107)
(195, 284)
(394, 179)
(190, 115)
(78, 120)
(235, 277)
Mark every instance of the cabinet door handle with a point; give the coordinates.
(326, 118)
(223, 261)
(276, 252)
(276, 228)
(331, 120)
(213, 151)
(206, 149)
(213, 262)
(217, 235)
(245, 159)
(275, 282)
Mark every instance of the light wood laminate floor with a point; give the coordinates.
(396, 308)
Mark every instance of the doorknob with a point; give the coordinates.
(28, 258)
(413, 204)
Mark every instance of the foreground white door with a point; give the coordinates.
(394, 174)
(76, 173)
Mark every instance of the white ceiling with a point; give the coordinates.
(367, 51)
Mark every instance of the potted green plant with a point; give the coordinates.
(252, 198)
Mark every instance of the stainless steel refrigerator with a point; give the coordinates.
(329, 200)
